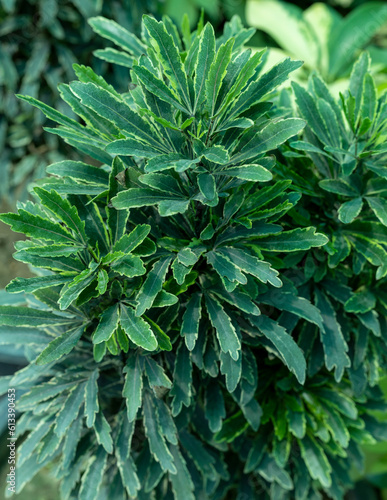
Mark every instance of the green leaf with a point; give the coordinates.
(91, 398)
(225, 267)
(206, 54)
(79, 171)
(287, 348)
(32, 284)
(37, 227)
(214, 408)
(156, 440)
(259, 88)
(308, 109)
(252, 265)
(115, 110)
(71, 291)
(190, 324)
(182, 380)
(207, 186)
(361, 302)
(270, 137)
(107, 325)
(232, 428)
(115, 57)
(225, 331)
(103, 432)
(182, 485)
(129, 265)
(117, 34)
(132, 390)
(338, 186)
(316, 461)
(95, 226)
(216, 74)
(140, 197)
(137, 329)
(343, 45)
(103, 281)
(152, 285)
(128, 242)
(255, 173)
(170, 58)
(293, 240)
(64, 211)
(335, 346)
(93, 476)
(379, 207)
(349, 210)
(156, 374)
(62, 345)
(26, 316)
(238, 299)
(69, 410)
(158, 88)
(217, 154)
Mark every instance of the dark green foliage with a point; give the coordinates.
(211, 321)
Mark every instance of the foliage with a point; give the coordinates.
(207, 319)
(40, 42)
(320, 36)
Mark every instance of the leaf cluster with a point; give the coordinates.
(207, 319)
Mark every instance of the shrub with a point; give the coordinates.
(208, 320)
(321, 37)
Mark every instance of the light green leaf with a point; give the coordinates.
(156, 440)
(349, 210)
(69, 410)
(107, 325)
(190, 325)
(335, 346)
(252, 265)
(37, 227)
(206, 54)
(137, 329)
(182, 380)
(217, 73)
(225, 331)
(115, 57)
(80, 171)
(255, 173)
(60, 346)
(26, 316)
(32, 284)
(152, 285)
(103, 432)
(93, 476)
(117, 34)
(316, 461)
(132, 390)
(379, 207)
(287, 348)
(91, 398)
(170, 58)
(293, 240)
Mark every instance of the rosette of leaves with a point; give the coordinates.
(170, 289)
(341, 175)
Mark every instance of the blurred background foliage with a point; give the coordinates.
(40, 40)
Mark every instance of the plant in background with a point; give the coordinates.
(182, 286)
(321, 37)
(41, 40)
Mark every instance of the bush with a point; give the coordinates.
(209, 317)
